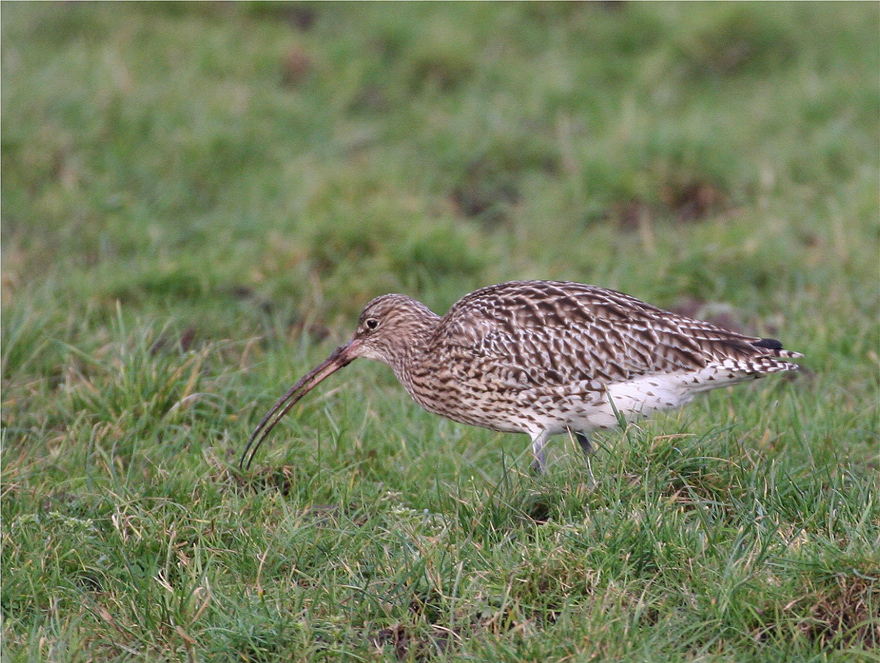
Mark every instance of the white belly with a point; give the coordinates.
(634, 399)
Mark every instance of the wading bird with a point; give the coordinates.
(543, 358)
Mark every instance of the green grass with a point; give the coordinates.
(198, 199)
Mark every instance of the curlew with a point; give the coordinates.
(543, 358)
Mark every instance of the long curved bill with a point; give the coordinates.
(339, 358)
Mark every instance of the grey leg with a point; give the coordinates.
(539, 463)
(586, 447)
(588, 450)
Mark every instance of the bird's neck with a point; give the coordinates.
(408, 351)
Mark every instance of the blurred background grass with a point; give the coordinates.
(205, 154)
(198, 199)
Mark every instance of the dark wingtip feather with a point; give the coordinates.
(776, 349)
(769, 343)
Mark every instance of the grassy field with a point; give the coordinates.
(197, 200)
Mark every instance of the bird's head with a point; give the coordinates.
(389, 330)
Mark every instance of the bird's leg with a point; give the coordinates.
(539, 463)
(588, 450)
(586, 447)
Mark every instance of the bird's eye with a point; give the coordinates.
(371, 323)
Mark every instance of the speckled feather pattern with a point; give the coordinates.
(544, 357)
(527, 356)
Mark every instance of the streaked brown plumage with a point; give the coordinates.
(542, 358)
